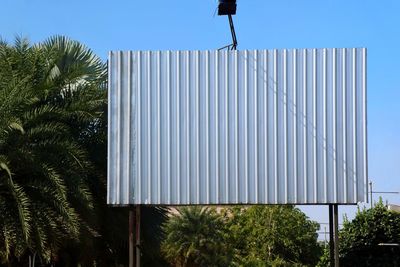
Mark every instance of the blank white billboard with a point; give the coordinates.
(237, 127)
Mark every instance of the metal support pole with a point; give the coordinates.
(234, 44)
(370, 192)
(232, 27)
(331, 239)
(131, 237)
(138, 221)
(336, 230)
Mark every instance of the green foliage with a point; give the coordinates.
(272, 236)
(195, 237)
(53, 153)
(241, 236)
(324, 261)
(49, 93)
(360, 238)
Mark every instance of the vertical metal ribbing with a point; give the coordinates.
(158, 126)
(109, 186)
(121, 135)
(334, 124)
(304, 119)
(354, 125)
(129, 126)
(236, 101)
(178, 128)
(364, 127)
(188, 127)
(216, 128)
(344, 122)
(138, 197)
(328, 85)
(149, 174)
(325, 150)
(226, 55)
(197, 128)
(295, 107)
(314, 122)
(207, 100)
(168, 122)
(265, 88)
(285, 128)
(126, 137)
(275, 75)
(246, 143)
(255, 126)
(118, 154)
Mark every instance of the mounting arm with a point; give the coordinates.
(234, 40)
(234, 44)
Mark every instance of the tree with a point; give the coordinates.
(360, 238)
(272, 236)
(195, 237)
(53, 158)
(241, 236)
(49, 93)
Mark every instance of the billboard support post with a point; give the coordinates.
(134, 236)
(131, 237)
(331, 239)
(333, 235)
(336, 232)
(138, 222)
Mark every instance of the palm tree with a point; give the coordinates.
(195, 237)
(50, 100)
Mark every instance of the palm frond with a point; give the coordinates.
(51, 102)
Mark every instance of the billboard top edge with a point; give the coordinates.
(240, 50)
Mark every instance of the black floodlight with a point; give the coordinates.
(226, 7)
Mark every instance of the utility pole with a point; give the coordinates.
(379, 192)
(370, 192)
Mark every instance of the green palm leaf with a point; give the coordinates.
(50, 98)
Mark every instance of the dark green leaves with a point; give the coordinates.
(50, 95)
(195, 237)
(361, 238)
(241, 236)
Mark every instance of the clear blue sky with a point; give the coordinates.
(191, 24)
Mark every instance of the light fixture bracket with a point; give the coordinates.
(228, 7)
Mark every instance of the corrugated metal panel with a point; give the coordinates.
(230, 127)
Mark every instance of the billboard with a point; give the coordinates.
(237, 127)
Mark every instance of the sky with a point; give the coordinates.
(260, 24)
